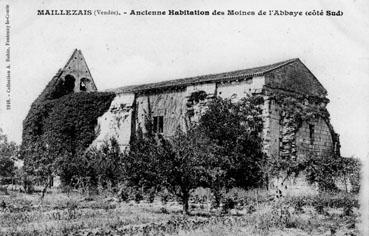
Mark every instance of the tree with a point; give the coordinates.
(99, 165)
(235, 127)
(178, 164)
(142, 164)
(189, 156)
(222, 151)
(8, 152)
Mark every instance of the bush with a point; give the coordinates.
(326, 170)
(325, 199)
(272, 216)
(97, 168)
(229, 203)
(128, 193)
(165, 196)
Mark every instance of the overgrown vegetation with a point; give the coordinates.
(252, 213)
(59, 127)
(326, 169)
(222, 151)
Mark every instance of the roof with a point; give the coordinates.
(227, 76)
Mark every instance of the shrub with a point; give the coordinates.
(165, 196)
(322, 200)
(319, 207)
(127, 193)
(151, 194)
(229, 203)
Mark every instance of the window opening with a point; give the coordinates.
(83, 84)
(158, 124)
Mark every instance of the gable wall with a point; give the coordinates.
(295, 77)
(77, 67)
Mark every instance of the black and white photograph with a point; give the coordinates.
(184, 118)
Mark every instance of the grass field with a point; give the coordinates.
(254, 213)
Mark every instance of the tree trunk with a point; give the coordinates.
(185, 200)
(218, 197)
(267, 181)
(46, 186)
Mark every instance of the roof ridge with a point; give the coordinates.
(249, 72)
(283, 63)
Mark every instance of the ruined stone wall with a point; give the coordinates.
(197, 98)
(284, 137)
(234, 90)
(239, 89)
(281, 137)
(178, 107)
(116, 122)
(296, 141)
(272, 128)
(169, 104)
(322, 143)
(142, 112)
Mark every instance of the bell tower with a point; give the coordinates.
(76, 74)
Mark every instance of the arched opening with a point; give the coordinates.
(84, 83)
(69, 83)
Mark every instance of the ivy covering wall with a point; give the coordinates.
(60, 125)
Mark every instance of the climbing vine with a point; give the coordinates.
(294, 111)
(60, 126)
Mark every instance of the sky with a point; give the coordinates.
(125, 50)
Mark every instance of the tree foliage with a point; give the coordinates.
(8, 152)
(222, 151)
(236, 127)
(96, 167)
(178, 164)
(326, 170)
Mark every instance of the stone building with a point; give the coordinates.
(175, 103)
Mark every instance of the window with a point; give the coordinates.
(311, 133)
(158, 124)
(83, 84)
